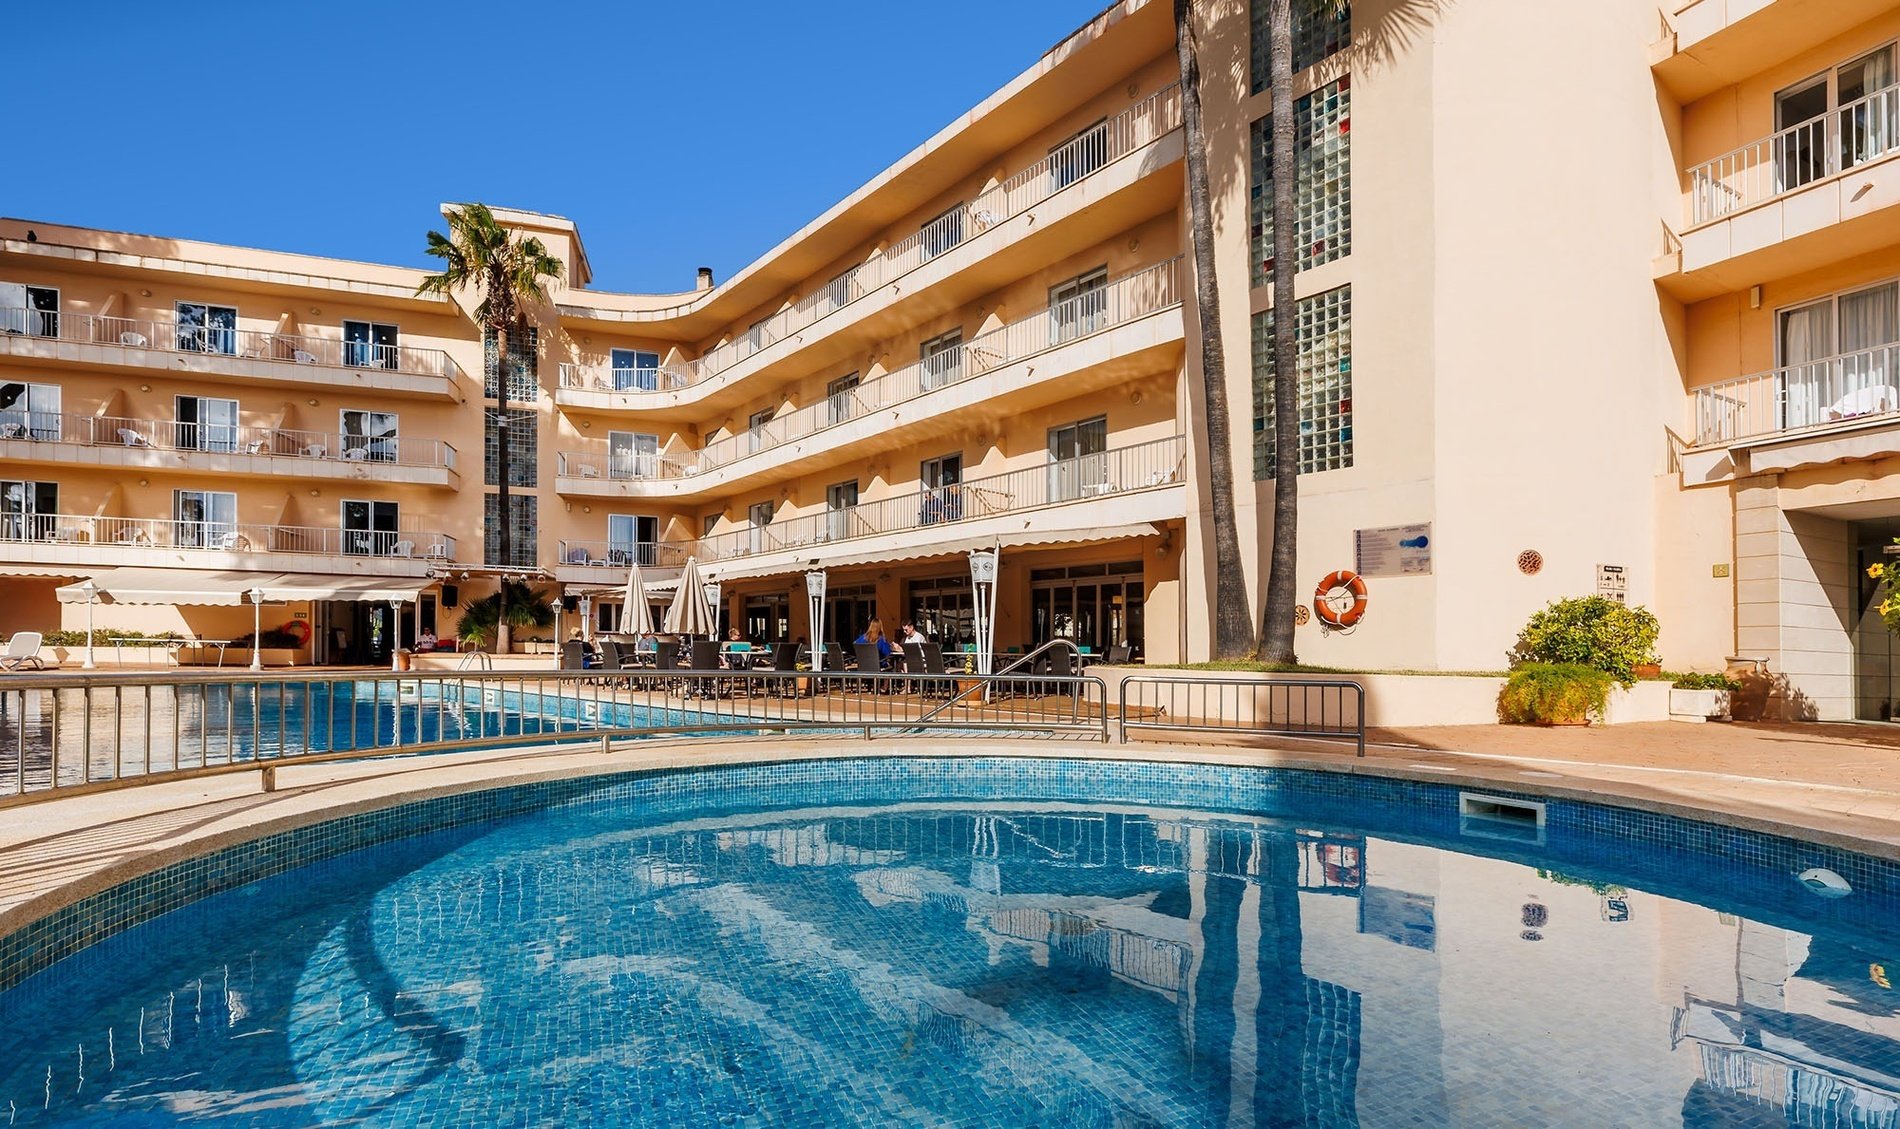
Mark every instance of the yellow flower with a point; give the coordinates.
(1873, 571)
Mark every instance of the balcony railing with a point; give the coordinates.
(1864, 385)
(620, 554)
(244, 344)
(1797, 156)
(223, 536)
(229, 439)
(1145, 292)
(1095, 148)
(1124, 470)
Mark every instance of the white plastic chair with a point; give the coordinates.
(315, 450)
(136, 340)
(132, 438)
(304, 358)
(403, 549)
(356, 454)
(438, 550)
(23, 650)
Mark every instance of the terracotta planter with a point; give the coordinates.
(1648, 670)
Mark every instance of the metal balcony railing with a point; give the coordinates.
(620, 554)
(247, 344)
(1793, 158)
(230, 439)
(1123, 470)
(223, 536)
(1863, 385)
(1095, 148)
(1147, 291)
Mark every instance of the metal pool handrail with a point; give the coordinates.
(65, 733)
(1320, 709)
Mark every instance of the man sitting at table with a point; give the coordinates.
(735, 653)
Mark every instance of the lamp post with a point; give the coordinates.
(92, 593)
(983, 587)
(257, 629)
(559, 639)
(815, 594)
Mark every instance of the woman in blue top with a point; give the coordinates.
(874, 633)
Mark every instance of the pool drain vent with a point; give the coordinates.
(1500, 817)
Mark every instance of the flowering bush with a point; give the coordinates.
(1590, 631)
(1886, 572)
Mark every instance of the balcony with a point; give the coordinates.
(842, 422)
(112, 441)
(1831, 410)
(1096, 149)
(91, 540)
(606, 562)
(1801, 198)
(226, 353)
(1098, 481)
(1709, 44)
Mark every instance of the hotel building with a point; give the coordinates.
(1618, 314)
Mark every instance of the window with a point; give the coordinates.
(28, 510)
(29, 309)
(1078, 463)
(631, 455)
(1322, 204)
(1078, 306)
(201, 423)
(1840, 356)
(369, 528)
(1840, 101)
(707, 524)
(941, 479)
(524, 374)
(633, 368)
(758, 515)
(944, 610)
(756, 439)
(768, 616)
(29, 411)
(204, 519)
(630, 539)
(942, 233)
(523, 448)
(207, 329)
(840, 499)
(1094, 606)
(368, 344)
(374, 434)
(1080, 155)
(942, 359)
(840, 403)
(522, 526)
(1321, 28)
(1323, 330)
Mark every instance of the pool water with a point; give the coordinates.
(906, 947)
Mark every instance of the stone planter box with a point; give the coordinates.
(1698, 705)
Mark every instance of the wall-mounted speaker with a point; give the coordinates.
(450, 595)
(570, 603)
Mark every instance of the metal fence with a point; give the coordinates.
(1317, 709)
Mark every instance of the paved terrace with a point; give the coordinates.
(1832, 783)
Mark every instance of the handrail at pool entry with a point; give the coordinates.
(64, 733)
(1317, 709)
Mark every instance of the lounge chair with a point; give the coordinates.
(23, 652)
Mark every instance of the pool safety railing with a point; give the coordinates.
(1315, 709)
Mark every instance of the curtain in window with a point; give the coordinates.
(1807, 339)
(1870, 324)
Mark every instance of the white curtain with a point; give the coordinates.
(1807, 337)
(1870, 324)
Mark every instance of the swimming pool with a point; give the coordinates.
(995, 941)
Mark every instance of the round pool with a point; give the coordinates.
(984, 941)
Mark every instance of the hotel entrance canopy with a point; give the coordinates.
(206, 588)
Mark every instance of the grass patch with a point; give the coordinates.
(1252, 667)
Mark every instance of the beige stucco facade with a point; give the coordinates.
(1548, 305)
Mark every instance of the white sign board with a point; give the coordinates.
(1397, 550)
(1613, 583)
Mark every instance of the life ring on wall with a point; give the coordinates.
(298, 630)
(1326, 605)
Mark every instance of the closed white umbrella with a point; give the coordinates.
(689, 614)
(635, 618)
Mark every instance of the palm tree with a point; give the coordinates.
(510, 272)
(525, 609)
(1233, 623)
(1276, 626)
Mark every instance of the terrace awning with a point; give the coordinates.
(206, 588)
(1019, 539)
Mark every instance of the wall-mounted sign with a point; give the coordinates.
(1613, 583)
(1397, 550)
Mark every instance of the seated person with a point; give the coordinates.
(425, 642)
(735, 652)
(590, 657)
(874, 633)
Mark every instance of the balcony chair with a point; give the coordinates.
(315, 450)
(590, 471)
(437, 551)
(134, 536)
(12, 431)
(579, 557)
(303, 358)
(231, 541)
(135, 340)
(132, 438)
(403, 549)
(355, 454)
(257, 447)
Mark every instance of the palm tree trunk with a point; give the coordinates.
(504, 638)
(1233, 623)
(1276, 627)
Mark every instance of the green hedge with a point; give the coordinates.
(103, 638)
(1552, 694)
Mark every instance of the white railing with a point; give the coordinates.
(248, 344)
(622, 466)
(1795, 157)
(1852, 386)
(1123, 470)
(175, 435)
(600, 378)
(620, 554)
(1147, 291)
(224, 536)
(1139, 125)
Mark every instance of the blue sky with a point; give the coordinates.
(676, 135)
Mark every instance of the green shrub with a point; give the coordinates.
(1693, 681)
(1589, 631)
(275, 639)
(103, 638)
(1552, 694)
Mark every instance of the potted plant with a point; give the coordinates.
(1553, 694)
(1701, 697)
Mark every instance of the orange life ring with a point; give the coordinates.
(1332, 615)
(298, 630)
